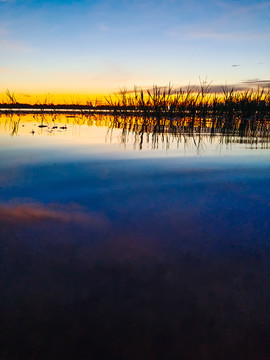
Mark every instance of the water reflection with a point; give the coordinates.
(133, 258)
(145, 132)
(99, 263)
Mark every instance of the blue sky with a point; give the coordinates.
(101, 46)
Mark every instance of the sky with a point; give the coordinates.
(101, 46)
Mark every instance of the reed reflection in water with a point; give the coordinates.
(120, 258)
(145, 132)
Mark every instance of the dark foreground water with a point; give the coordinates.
(113, 253)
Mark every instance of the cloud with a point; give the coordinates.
(3, 31)
(239, 7)
(199, 34)
(249, 13)
(14, 46)
(4, 69)
(103, 27)
(8, 44)
(228, 21)
(256, 82)
(33, 213)
(213, 88)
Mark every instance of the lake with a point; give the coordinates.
(127, 238)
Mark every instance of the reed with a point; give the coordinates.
(11, 97)
(226, 106)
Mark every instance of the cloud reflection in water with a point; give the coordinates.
(106, 258)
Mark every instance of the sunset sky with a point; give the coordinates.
(99, 46)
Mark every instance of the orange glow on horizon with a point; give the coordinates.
(65, 98)
(124, 97)
(54, 98)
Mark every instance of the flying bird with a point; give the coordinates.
(235, 65)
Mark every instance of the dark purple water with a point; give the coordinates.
(133, 257)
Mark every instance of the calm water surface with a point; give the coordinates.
(126, 242)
